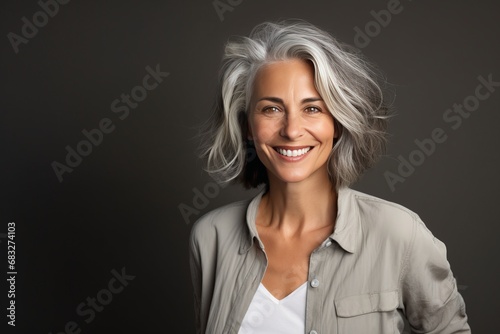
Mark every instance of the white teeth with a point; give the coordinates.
(293, 153)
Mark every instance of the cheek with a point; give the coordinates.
(325, 131)
(329, 129)
(263, 132)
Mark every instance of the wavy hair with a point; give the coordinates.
(346, 81)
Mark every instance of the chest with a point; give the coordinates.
(340, 285)
(288, 261)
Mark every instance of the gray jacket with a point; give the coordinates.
(380, 266)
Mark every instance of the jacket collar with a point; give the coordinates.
(347, 232)
(251, 231)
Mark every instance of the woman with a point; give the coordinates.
(308, 254)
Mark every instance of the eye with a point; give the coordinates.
(271, 110)
(313, 110)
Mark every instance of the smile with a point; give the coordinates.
(292, 153)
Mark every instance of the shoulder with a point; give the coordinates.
(387, 219)
(381, 208)
(397, 224)
(220, 221)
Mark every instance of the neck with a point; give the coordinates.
(299, 207)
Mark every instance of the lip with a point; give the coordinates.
(293, 147)
(292, 159)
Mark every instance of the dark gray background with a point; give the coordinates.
(119, 207)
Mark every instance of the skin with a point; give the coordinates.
(298, 212)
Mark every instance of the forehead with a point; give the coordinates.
(280, 77)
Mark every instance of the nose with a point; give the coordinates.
(292, 127)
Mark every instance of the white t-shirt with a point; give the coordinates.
(268, 315)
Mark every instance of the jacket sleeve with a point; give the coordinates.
(431, 300)
(195, 267)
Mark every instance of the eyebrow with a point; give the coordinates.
(278, 100)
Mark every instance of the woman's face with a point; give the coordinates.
(291, 127)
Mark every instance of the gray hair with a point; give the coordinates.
(347, 83)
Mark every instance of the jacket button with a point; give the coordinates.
(314, 284)
(313, 332)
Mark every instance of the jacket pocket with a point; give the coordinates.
(369, 313)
